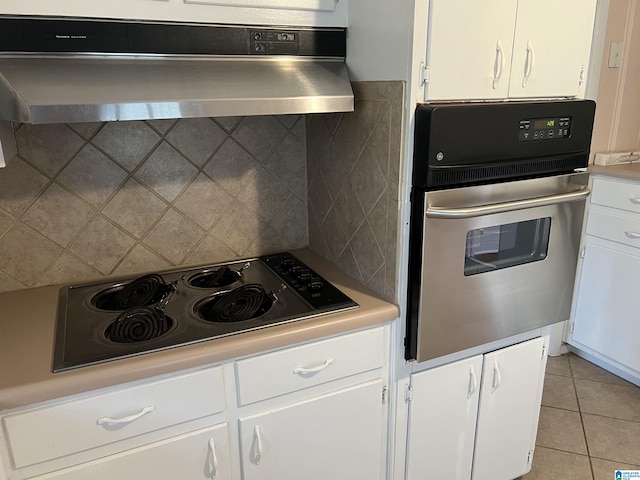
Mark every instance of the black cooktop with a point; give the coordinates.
(118, 318)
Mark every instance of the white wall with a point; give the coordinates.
(379, 39)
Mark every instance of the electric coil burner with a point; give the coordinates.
(104, 321)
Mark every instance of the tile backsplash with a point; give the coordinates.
(82, 201)
(354, 164)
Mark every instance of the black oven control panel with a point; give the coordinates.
(537, 129)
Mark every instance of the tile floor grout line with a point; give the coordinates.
(584, 431)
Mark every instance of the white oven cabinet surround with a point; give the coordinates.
(497, 49)
(316, 410)
(477, 418)
(241, 12)
(605, 319)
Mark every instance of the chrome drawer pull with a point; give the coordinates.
(631, 234)
(635, 200)
(317, 368)
(213, 459)
(129, 419)
(473, 382)
(257, 445)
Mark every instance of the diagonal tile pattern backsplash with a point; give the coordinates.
(82, 201)
(354, 177)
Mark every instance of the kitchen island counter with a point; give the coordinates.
(27, 326)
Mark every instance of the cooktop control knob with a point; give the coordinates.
(305, 276)
(307, 283)
(287, 263)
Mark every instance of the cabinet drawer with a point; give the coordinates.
(617, 228)
(286, 371)
(73, 426)
(616, 194)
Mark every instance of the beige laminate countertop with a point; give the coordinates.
(628, 171)
(27, 325)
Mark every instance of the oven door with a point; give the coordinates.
(492, 261)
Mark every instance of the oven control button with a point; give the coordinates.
(295, 270)
(315, 286)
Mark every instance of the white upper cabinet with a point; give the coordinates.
(551, 48)
(493, 49)
(240, 12)
(469, 48)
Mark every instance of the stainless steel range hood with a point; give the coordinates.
(91, 89)
(79, 70)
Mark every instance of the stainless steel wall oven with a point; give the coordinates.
(496, 216)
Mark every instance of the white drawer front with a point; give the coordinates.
(614, 227)
(286, 371)
(69, 427)
(616, 194)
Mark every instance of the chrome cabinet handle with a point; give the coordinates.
(317, 368)
(528, 63)
(257, 445)
(213, 459)
(497, 66)
(635, 200)
(473, 382)
(129, 419)
(467, 212)
(497, 377)
(632, 234)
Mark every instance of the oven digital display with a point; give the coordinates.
(544, 123)
(537, 129)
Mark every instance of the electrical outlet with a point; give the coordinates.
(617, 158)
(615, 54)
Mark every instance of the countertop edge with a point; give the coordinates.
(627, 171)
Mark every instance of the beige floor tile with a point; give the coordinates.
(559, 365)
(609, 400)
(612, 439)
(604, 469)
(559, 392)
(561, 430)
(551, 464)
(588, 371)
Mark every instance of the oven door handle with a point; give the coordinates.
(480, 210)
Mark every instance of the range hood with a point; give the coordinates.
(78, 70)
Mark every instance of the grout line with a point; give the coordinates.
(584, 431)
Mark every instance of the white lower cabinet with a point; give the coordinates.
(338, 436)
(321, 413)
(203, 454)
(477, 418)
(605, 319)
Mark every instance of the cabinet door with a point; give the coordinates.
(203, 454)
(551, 48)
(442, 421)
(338, 436)
(509, 410)
(607, 305)
(469, 48)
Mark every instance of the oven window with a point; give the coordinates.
(503, 246)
